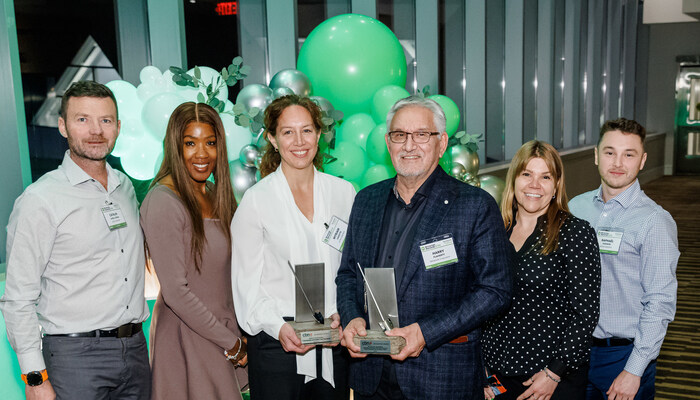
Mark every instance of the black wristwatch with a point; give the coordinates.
(35, 378)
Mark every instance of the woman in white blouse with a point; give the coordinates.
(283, 219)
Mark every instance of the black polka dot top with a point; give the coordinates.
(555, 305)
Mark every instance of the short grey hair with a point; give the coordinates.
(439, 119)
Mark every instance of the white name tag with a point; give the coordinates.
(113, 216)
(609, 240)
(335, 233)
(438, 251)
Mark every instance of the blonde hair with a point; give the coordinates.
(558, 210)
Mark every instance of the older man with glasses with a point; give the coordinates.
(441, 304)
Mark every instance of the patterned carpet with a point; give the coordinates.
(679, 362)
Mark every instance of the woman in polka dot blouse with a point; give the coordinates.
(539, 347)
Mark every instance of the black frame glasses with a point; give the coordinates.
(420, 137)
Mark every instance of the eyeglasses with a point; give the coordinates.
(418, 136)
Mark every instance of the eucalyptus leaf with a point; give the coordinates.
(224, 73)
(220, 107)
(196, 83)
(176, 70)
(186, 76)
(327, 121)
(210, 89)
(214, 102)
(231, 80)
(244, 122)
(237, 60)
(200, 98)
(460, 134)
(197, 73)
(253, 112)
(337, 115)
(239, 108)
(245, 70)
(256, 126)
(232, 70)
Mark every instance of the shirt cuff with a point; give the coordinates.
(636, 364)
(31, 361)
(557, 366)
(274, 329)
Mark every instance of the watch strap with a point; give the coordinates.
(44, 376)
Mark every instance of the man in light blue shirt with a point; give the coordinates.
(639, 253)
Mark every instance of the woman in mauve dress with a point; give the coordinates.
(196, 345)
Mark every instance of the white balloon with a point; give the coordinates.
(149, 74)
(140, 162)
(156, 113)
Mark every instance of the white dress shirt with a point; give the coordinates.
(66, 270)
(267, 230)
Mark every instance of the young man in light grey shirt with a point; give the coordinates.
(75, 266)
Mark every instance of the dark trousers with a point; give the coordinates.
(388, 388)
(98, 368)
(272, 373)
(571, 387)
(606, 365)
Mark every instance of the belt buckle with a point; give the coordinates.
(125, 330)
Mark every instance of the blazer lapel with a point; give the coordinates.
(437, 208)
(375, 217)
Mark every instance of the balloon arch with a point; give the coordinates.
(349, 63)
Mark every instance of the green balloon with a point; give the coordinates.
(355, 129)
(351, 161)
(376, 146)
(377, 173)
(446, 161)
(384, 99)
(451, 112)
(348, 58)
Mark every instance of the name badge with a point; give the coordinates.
(609, 240)
(335, 233)
(113, 216)
(438, 251)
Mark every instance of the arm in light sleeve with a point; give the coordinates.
(490, 258)
(583, 286)
(30, 237)
(164, 224)
(255, 309)
(659, 258)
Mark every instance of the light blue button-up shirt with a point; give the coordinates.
(638, 284)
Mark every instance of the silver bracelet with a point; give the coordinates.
(550, 376)
(234, 357)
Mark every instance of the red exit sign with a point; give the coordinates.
(227, 8)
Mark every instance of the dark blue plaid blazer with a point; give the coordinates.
(447, 302)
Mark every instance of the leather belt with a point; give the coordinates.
(460, 339)
(611, 342)
(126, 330)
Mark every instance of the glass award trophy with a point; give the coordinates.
(380, 301)
(309, 325)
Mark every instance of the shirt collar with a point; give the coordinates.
(625, 199)
(424, 189)
(77, 175)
